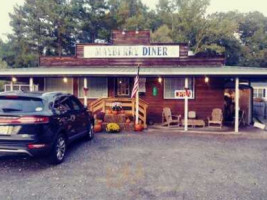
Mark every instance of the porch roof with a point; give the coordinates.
(76, 71)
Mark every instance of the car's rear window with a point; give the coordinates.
(20, 104)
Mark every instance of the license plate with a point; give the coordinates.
(4, 130)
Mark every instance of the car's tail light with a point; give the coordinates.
(24, 120)
(36, 146)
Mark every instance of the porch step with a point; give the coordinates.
(123, 126)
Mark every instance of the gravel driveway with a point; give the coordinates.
(143, 166)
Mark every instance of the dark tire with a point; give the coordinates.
(90, 133)
(58, 152)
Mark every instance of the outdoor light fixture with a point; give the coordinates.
(65, 80)
(123, 32)
(207, 79)
(14, 79)
(160, 80)
(137, 31)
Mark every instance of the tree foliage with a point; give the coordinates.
(53, 27)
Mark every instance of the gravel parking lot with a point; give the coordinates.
(143, 166)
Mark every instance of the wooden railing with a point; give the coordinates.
(128, 105)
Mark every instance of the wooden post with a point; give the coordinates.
(85, 92)
(186, 106)
(11, 85)
(137, 106)
(132, 107)
(31, 85)
(236, 104)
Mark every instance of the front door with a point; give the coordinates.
(123, 88)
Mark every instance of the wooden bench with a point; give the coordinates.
(195, 122)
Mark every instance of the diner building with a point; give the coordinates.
(170, 76)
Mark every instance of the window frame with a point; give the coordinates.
(116, 87)
(256, 90)
(88, 97)
(72, 87)
(76, 101)
(173, 98)
(36, 87)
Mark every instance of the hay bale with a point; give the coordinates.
(110, 118)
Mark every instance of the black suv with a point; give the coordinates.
(42, 123)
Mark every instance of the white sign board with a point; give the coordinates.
(181, 94)
(138, 51)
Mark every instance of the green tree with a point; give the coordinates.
(92, 21)
(41, 28)
(131, 15)
(253, 35)
(162, 34)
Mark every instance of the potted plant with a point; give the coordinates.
(113, 128)
(100, 116)
(116, 107)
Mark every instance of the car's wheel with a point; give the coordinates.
(90, 133)
(59, 150)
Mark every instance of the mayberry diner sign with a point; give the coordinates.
(138, 51)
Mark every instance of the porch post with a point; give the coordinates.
(137, 105)
(11, 85)
(85, 93)
(31, 85)
(186, 106)
(236, 104)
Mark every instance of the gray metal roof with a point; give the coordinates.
(131, 71)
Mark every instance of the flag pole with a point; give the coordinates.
(137, 98)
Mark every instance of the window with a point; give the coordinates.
(259, 93)
(97, 87)
(172, 84)
(123, 87)
(20, 87)
(58, 85)
(62, 105)
(20, 104)
(76, 104)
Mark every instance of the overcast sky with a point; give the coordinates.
(215, 6)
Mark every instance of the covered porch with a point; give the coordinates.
(151, 105)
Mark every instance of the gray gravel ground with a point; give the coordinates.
(143, 166)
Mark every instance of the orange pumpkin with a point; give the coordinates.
(97, 128)
(138, 127)
(99, 122)
(115, 112)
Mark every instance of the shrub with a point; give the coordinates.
(100, 116)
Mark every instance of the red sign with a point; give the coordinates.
(181, 94)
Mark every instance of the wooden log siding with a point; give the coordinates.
(130, 37)
(151, 62)
(207, 97)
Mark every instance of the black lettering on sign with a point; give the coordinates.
(165, 53)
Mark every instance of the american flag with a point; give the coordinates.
(136, 84)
